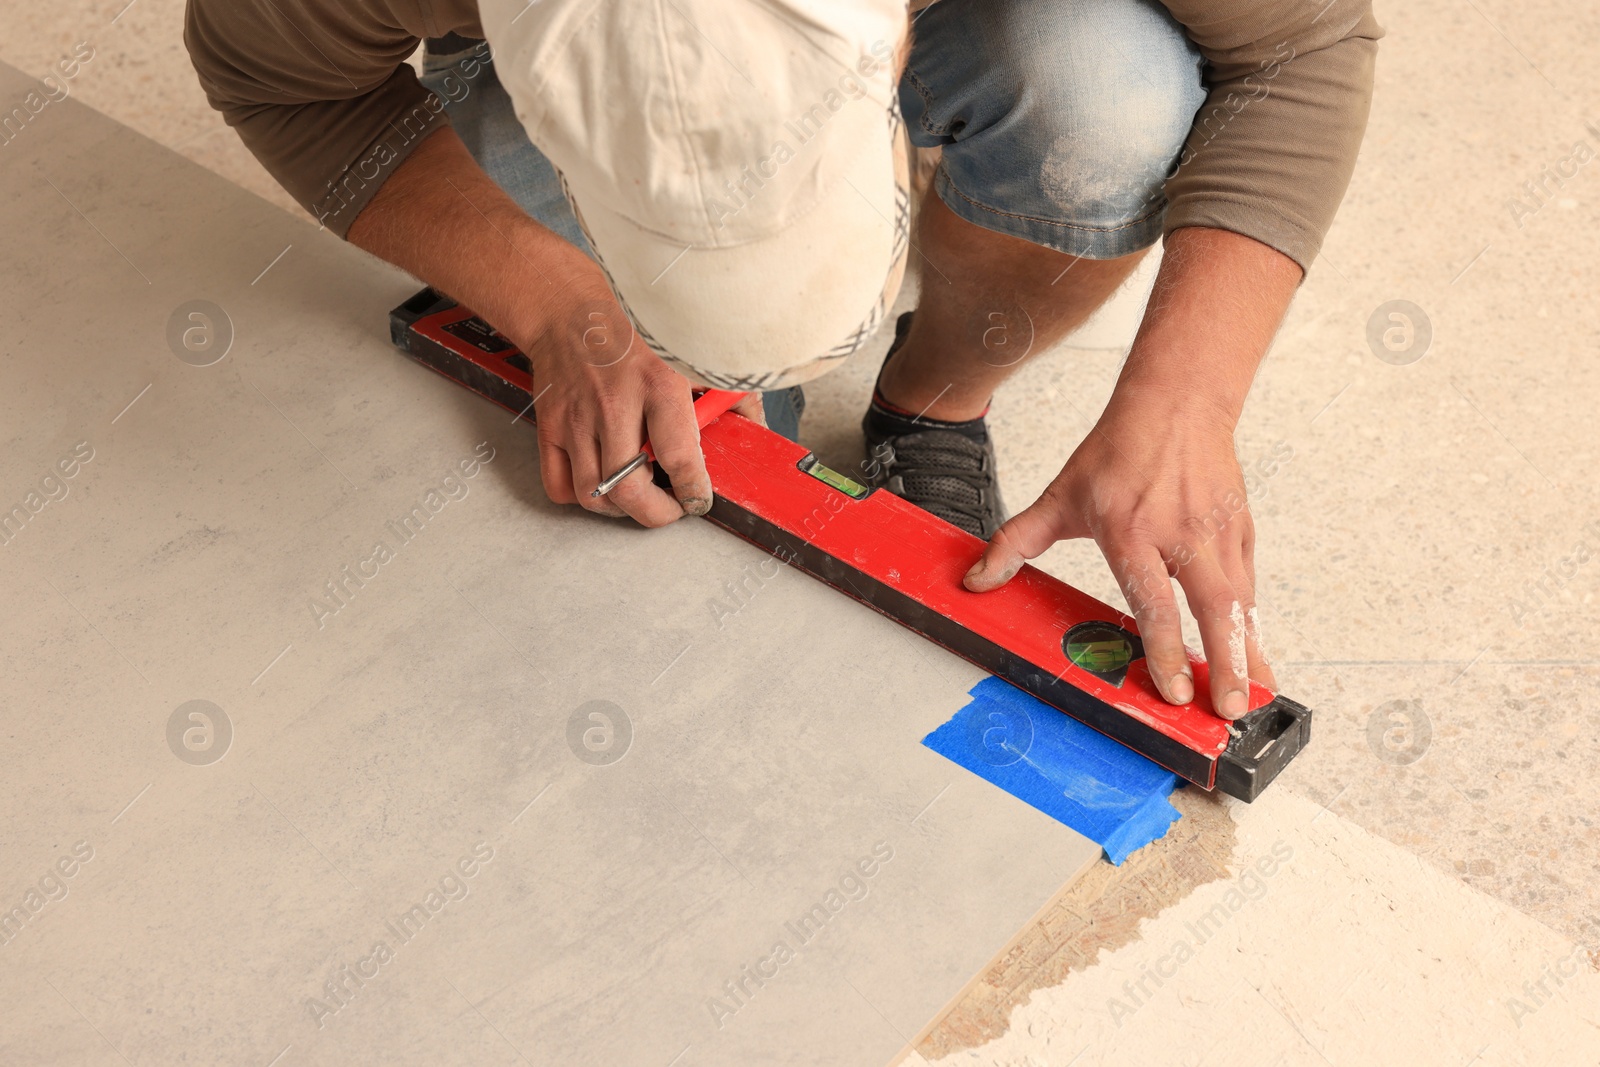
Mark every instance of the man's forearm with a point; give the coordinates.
(1218, 300)
(441, 218)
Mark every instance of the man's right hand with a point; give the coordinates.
(599, 390)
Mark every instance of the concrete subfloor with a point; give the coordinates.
(1427, 566)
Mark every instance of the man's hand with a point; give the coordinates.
(1158, 503)
(599, 390)
(1156, 483)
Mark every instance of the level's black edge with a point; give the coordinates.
(1026, 676)
(420, 306)
(1267, 739)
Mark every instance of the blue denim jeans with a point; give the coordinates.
(1058, 122)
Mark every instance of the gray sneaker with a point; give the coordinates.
(945, 472)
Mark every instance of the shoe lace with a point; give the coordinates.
(945, 472)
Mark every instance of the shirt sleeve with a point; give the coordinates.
(320, 92)
(1289, 85)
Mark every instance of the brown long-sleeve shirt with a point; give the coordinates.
(321, 92)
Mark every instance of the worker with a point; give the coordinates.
(645, 196)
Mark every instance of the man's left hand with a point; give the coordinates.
(1162, 495)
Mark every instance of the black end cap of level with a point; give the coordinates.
(419, 307)
(1268, 739)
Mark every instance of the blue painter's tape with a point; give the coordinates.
(1051, 761)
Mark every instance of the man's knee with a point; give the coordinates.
(1108, 94)
(1089, 103)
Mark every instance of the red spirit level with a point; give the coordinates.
(1040, 634)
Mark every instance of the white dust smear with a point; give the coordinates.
(1254, 621)
(1236, 657)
